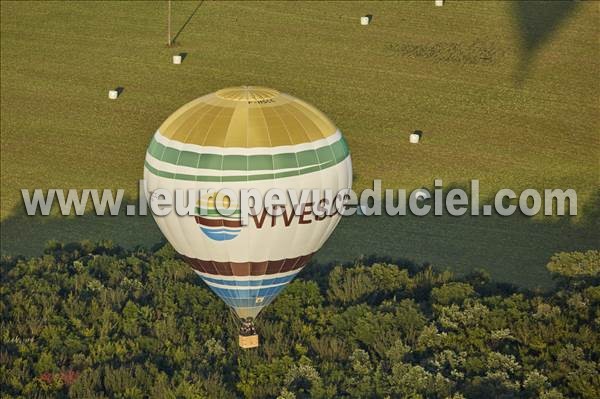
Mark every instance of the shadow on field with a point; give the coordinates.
(537, 21)
(27, 235)
(512, 249)
(187, 21)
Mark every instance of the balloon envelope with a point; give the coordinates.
(247, 138)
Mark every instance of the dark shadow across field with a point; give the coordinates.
(536, 22)
(187, 21)
(512, 249)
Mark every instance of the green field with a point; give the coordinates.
(505, 92)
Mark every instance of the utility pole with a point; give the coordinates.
(169, 25)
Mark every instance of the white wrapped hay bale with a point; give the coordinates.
(113, 94)
(365, 20)
(439, 3)
(414, 138)
(177, 59)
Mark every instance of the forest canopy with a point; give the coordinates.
(97, 321)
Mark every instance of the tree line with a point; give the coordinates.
(92, 320)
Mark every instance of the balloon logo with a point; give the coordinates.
(247, 138)
(213, 223)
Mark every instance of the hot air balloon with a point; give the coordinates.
(241, 138)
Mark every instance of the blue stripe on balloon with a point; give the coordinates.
(229, 230)
(246, 294)
(218, 236)
(250, 283)
(225, 229)
(248, 302)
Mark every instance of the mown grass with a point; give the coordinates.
(503, 93)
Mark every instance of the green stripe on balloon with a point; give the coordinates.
(335, 152)
(213, 212)
(238, 178)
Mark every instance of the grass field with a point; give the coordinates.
(505, 92)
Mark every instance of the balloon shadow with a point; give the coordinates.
(536, 23)
(512, 249)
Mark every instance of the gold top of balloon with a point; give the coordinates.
(247, 116)
(247, 93)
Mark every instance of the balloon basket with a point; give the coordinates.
(248, 341)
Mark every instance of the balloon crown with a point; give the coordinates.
(247, 93)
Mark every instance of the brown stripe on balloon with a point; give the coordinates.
(303, 260)
(248, 268)
(217, 222)
(210, 267)
(287, 265)
(197, 264)
(223, 268)
(293, 266)
(241, 269)
(259, 268)
(274, 266)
